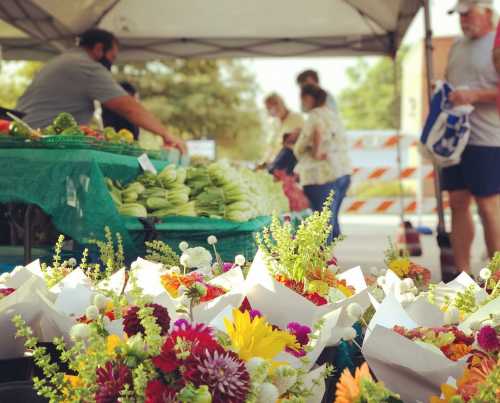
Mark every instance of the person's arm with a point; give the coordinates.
(471, 97)
(316, 145)
(128, 107)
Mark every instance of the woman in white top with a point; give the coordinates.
(322, 152)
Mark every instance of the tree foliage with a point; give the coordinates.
(15, 80)
(370, 101)
(205, 98)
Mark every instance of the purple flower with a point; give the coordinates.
(227, 266)
(254, 313)
(487, 339)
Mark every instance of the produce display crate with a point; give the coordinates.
(133, 150)
(68, 141)
(12, 142)
(116, 148)
(234, 238)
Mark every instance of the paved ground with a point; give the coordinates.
(367, 238)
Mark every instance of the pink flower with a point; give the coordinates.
(301, 333)
(487, 339)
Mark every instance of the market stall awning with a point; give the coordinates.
(152, 29)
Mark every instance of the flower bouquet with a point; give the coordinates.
(293, 277)
(419, 367)
(155, 360)
(480, 381)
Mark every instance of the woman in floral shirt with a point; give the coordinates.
(322, 152)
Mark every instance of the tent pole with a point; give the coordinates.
(430, 78)
(448, 270)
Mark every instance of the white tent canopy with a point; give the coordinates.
(153, 29)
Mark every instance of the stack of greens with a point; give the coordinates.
(157, 195)
(217, 190)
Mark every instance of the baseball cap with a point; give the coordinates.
(464, 6)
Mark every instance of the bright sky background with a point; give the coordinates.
(279, 74)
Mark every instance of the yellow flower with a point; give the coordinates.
(112, 342)
(345, 290)
(256, 337)
(448, 392)
(73, 380)
(400, 266)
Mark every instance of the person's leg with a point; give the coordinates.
(489, 211)
(315, 195)
(462, 228)
(340, 187)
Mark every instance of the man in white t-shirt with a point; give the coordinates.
(477, 177)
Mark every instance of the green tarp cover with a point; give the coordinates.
(69, 185)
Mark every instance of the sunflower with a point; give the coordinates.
(255, 337)
(348, 386)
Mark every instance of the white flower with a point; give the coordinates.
(185, 260)
(475, 325)
(485, 274)
(348, 333)
(4, 277)
(406, 299)
(409, 283)
(240, 260)
(92, 312)
(212, 240)
(268, 393)
(81, 331)
(284, 378)
(199, 258)
(355, 311)
(255, 363)
(72, 261)
(452, 316)
(100, 301)
(381, 281)
(183, 246)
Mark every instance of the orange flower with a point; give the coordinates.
(457, 351)
(325, 275)
(348, 386)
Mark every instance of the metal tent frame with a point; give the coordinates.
(39, 29)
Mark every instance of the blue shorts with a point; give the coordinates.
(478, 172)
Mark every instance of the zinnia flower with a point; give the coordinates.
(487, 339)
(158, 392)
(301, 333)
(255, 337)
(223, 372)
(111, 380)
(132, 322)
(348, 386)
